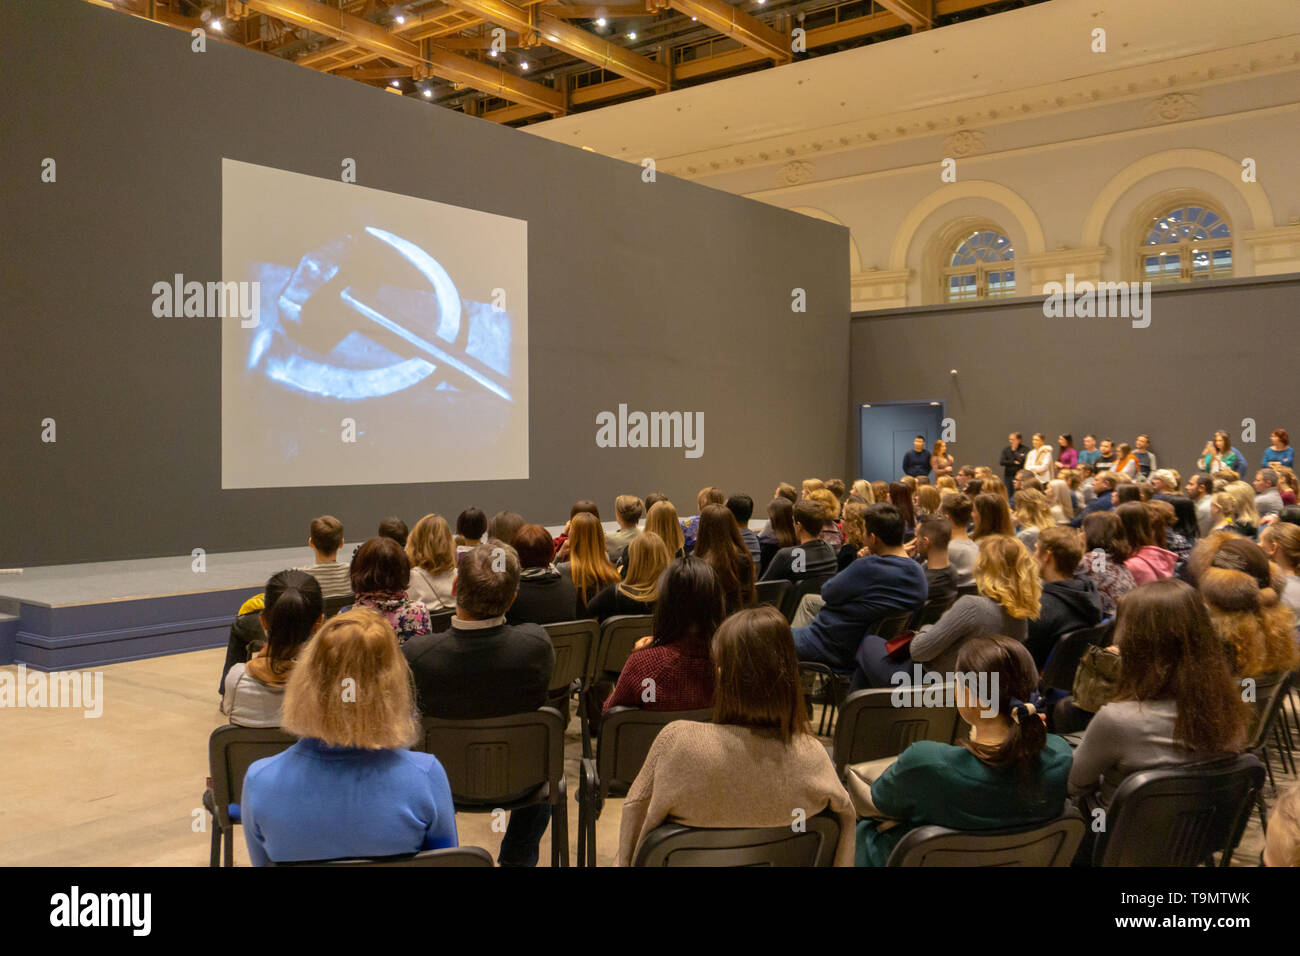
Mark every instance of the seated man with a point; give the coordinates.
(868, 589)
(628, 510)
(1268, 500)
(962, 551)
(811, 557)
(326, 538)
(742, 509)
(1103, 483)
(1068, 603)
(933, 534)
(483, 667)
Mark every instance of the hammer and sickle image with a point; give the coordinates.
(372, 314)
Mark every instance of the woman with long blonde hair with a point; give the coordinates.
(1244, 495)
(928, 499)
(1033, 514)
(662, 520)
(994, 485)
(862, 488)
(348, 787)
(946, 483)
(432, 553)
(647, 557)
(588, 567)
(1059, 499)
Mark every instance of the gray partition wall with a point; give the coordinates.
(662, 296)
(1213, 355)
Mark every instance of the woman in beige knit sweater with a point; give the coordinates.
(757, 764)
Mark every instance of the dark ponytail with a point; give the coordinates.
(1017, 699)
(293, 606)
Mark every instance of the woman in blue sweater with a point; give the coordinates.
(348, 788)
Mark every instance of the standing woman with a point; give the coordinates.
(1039, 459)
(588, 567)
(721, 547)
(1066, 455)
(940, 460)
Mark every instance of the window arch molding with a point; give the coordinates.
(982, 239)
(1146, 216)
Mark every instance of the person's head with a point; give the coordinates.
(1014, 439)
(1089, 442)
(429, 545)
(825, 502)
(1223, 506)
(662, 520)
(911, 482)
(1064, 441)
(357, 649)
(487, 580)
(918, 443)
(992, 515)
(1103, 532)
(758, 681)
(1058, 496)
(380, 567)
(1185, 522)
(1135, 524)
(808, 519)
(884, 528)
(1005, 571)
(1032, 509)
(1280, 438)
(395, 528)
(1222, 441)
(1164, 482)
(584, 507)
(1024, 478)
(1124, 450)
(974, 487)
(855, 525)
(628, 509)
(1169, 650)
(879, 492)
(810, 484)
(718, 542)
(1107, 448)
(534, 547)
(471, 525)
(653, 499)
(946, 483)
(647, 558)
(1162, 518)
(927, 500)
(1085, 470)
(708, 496)
(1058, 552)
(783, 490)
(1265, 480)
(1282, 841)
(1038, 440)
(1126, 492)
(933, 533)
(1244, 495)
(994, 485)
(742, 508)
(780, 514)
(964, 474)
(835, 487)
(691, 603)
(1003, 668)
(1281, 542)
(940, 447)
(1142, 442)
(862, 488)
(505, 525)
(1104, 481)
(292, 611)
(957, 509)
(1286, 479)
(1198, 486)
(901, 498)
(326, 536)
(589, 564)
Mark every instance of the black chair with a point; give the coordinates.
(335, 604)
(931, 611)
(626, 735)
(812, 584)
(966, 589)
(470, 856)
(1267, 718)
(1052, 844)
(1180, 816)
(674, 845)
(775, 593)
(575, 649)
(505, 763)
(884, 722)
(1063, 661)
(832, 686)
(439, 621)
(618, 637)
(231, 751)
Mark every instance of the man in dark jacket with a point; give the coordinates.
(917, 461)
(483, 667)
(1069, 603)
(1103, 483)
(1013, 457)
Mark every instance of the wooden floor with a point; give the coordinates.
(125, 789)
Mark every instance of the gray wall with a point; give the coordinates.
(1212, 356)
(663, 296)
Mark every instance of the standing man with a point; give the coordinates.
(917, 461)
(1013, 458)
(1090, 454)
(1106, 460)
(1145, 459)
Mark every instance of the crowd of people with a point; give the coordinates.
(979, 573)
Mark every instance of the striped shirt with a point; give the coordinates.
(333, 578)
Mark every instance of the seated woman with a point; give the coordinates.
(675, 658)
(1010, 594)
(545, 595)
(1033, 514)
(830, 507)
(1060, 500)
(1008, 772)
(380, 573)
(1176, 701)
(720, 545)
(1241, 592)
(780, 525)
(1281, 542)
(471, 525)
(1105, 550)
(900, 496)
(661, 518)
(348, 787)
(254, 692)
(647, 557)
(992, 515)
(432, 555)
(1147, 560)
(588, 567)
(1247, 518)
(755, 763)
(855, 534)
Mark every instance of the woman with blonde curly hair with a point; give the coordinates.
(1010, 595)
(830, 514)
(855, 533)
(1241, 591)
(432, 553)
(1033, 514)
(348, 787)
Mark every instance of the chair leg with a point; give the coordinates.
(214, 858)
(1263, 820)
(584, 814)
(229, 838)
(560, 832)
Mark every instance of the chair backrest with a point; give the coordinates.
(774, 592)
(932, 610)
(439, 621)
(626, 735)
(231, 751)
(892, 624)
(1181, 815)
(575, 649)
(497, 760)
(335, 604)
(884, 722)
(473, 856)
(674, 845)
(618, 636)
(1270, 693)
(1063, 661)
(812, 584)
(1052, 844)
(965, 589)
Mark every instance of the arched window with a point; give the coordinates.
(982, 266)
(1186, 243)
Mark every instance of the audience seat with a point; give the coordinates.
(471, 856)
(1053, 844)
(335, 604)
(833, 685)
(575, 651)
(618, 637)
(672, 844)
(231, 751)
(805, 586)
(775, 593)
(1063, 661)
(872, 726)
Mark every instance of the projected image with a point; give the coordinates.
(391, 340)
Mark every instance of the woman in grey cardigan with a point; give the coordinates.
(1009, 596)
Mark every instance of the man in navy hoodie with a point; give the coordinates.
(1103, 483)
(884, 581)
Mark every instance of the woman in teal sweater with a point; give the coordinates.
(1010, 772)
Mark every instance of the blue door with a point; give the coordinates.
(886, 432)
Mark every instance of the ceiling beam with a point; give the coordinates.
(915, 13)
(735, 23)
(576, 12)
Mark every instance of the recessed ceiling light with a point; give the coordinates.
(601, 21)
(632, 35)
(492, 52)
(395, 83)
(400, 18)
(523, 65)
(428, 94)
(216, 25)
